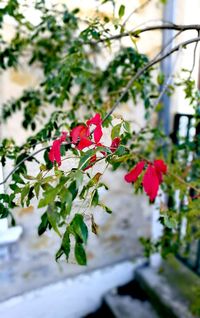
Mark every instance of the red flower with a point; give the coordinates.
(151, 182)
(84, 142)
(54, 153)
(153, 176)
(160, 166)
(97, 121)
(79, 132)
(160, 169)
(79, 136)
(91, 162)
(135, 172)
(115, 144)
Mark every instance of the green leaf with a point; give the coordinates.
(161, 78)
(59, 253)
(95, 198)
(86, 158)
(121, 11)
(17, 178)
(4, 212)
(80, 254)
(44, 224)
(49, 196)
(116, 131)
(72, 188)
(66, 199)
(53, 218)
(170, 222)
(120, 151)
(78, 175)
(127, 126)
(79, 228)
(107, 209)
(66, 244)
(37, 189)
(94, 180)
(24, 193)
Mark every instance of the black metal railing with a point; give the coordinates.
(185, 131)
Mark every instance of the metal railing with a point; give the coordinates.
(185, 132)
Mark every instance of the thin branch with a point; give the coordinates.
(168, 81)
(184, 182)
(194, 58)
(116, 104)
(145, 68)
(149, 28)
(22, 161)
(136, 10)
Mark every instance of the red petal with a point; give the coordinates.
(160, 176)
(160, 166)
(151, 182)
(79, 132)
(97, 134)
(96, 120)
(91, 162)
(51, 155)
(115, 144)
(54, 154)
(63, 136)
(135, 172)
(84, 142)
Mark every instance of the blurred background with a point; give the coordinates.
(32, 284)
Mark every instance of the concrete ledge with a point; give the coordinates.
(72, 297)
(173, 290)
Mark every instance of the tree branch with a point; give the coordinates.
(145, 68)
(169, 26)
(118, 101)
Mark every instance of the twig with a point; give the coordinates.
(149, 28)
(146, 67)
(194, 58)
(167, 83)
(116, 104)
(184, 182)
(140, 7)
(22, 161)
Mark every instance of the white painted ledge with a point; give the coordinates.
(72, 297)
(10, 235)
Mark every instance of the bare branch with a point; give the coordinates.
(154, 61)
(194, 58)
(136, 10)
(168, 26)
(145, 68)
(22, 161)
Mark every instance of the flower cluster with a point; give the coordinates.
(152, 178)
(81, 137)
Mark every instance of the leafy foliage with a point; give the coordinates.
(76, 84)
